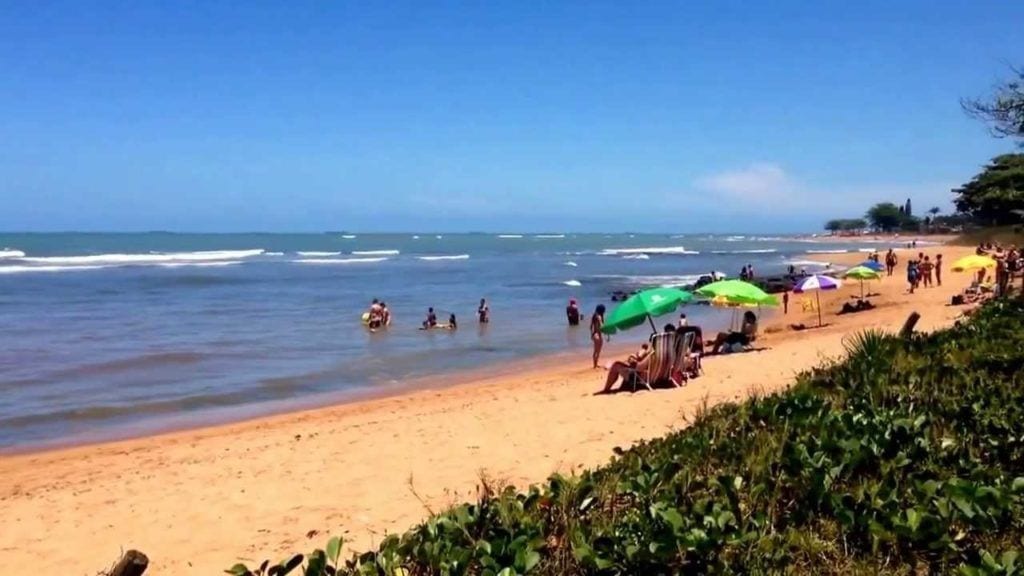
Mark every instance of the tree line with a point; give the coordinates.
(994, 197)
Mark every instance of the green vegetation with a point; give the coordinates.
(846, 225)
(1005, 235)
(906, 457)
(996, 195)
(887, 217)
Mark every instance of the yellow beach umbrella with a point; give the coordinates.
(974, 262)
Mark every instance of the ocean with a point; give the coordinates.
(108, 335)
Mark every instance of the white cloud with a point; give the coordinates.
(766, 188)
(760, 182)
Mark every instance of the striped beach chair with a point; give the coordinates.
(662, 360)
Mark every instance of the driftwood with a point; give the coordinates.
(908, 326)
(133, 563)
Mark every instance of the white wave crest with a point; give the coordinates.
(144, 259)
(273, 253)
(648, 251)
(571, 263)
(11, 253)
(550, 236)
(199, 264)
(348, 236)
(760, 251)
(573, 283)
(807, 263)
(318, 254)
(510, 235)
(338, 260)
(375, 252)
(24, 269)
(446, 257)
(826, 251)
(636, 257)
(665, 281)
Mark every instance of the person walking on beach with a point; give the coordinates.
(890, 262)
(926, 268)
(785, 302)
(483, 312)
(938, 269)
(596, 336)
(912, 275)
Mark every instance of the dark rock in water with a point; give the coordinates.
(775, 284)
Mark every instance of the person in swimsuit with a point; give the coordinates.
(431, 321)
(596, 336)
(572, 313)
(483, 312)
(375, 318)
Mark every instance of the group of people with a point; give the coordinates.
(747, 273)
(640, 361)
(923, 271)
(1008, 263)
(378, 316)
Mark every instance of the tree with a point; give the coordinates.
(996, 195)
(1003, 111)
(934, 211)
(907, 211)
(885, 216)
(855, 224)
(845, 224)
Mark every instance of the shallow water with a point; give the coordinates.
(103, 331)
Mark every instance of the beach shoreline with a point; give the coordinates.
(196, 500)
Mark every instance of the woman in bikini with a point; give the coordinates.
(596, 336)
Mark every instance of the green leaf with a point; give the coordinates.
(531, 560)
(333, 549)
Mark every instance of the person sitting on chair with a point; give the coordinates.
(746, 335)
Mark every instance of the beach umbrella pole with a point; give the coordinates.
(651, 320)
(817, 295)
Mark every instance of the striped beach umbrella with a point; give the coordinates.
(817, 283)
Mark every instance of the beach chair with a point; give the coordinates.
(695, 351)
(685, 359)
(662, 359)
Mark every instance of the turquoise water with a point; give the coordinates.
(106, 333)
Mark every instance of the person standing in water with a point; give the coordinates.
(483, 312)
(596, 336)
(572, 313)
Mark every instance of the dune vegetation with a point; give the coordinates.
(907, 456)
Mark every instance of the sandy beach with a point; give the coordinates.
(198, 500)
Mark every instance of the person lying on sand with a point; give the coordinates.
(745, 337)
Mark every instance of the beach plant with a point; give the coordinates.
(905, 457)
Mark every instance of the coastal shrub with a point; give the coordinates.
(907, 456)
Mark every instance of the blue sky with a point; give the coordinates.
(722, 116)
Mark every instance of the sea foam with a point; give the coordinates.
(446, 257)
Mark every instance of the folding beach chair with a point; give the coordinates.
(685, 360)
(659, 366)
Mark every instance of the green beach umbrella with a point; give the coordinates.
(737, 292)
(645, 305)
(862, 273)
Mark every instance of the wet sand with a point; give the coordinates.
(198, 500)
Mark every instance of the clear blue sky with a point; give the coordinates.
(290, 116)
